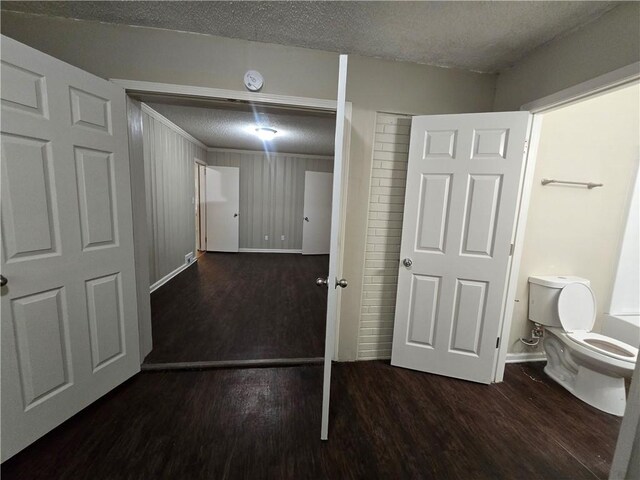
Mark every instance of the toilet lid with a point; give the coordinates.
(577, 307)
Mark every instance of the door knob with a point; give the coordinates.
(322, 281)
(3, 280)
(342, 283)
(306, 219)
(407, 262)
(235, 215)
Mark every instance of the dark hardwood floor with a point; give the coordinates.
(386, 423)
(241, 306)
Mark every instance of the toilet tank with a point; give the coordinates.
(544, 291)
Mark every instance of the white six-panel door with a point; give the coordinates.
(463, 180)
(222, 208)
(69, 317)
(316, 225)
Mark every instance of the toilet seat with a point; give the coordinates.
(576, 307)
(604, 345)
(577, 313)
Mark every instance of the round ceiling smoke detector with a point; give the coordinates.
(253, 80)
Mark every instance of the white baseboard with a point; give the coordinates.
(269, 250)
(168, 277)
(525, 357)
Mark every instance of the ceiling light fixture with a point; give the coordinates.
(266, 134)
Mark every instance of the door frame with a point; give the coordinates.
(137, 87)
(596, 86)
(196, 199)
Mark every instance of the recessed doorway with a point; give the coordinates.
(261, 210)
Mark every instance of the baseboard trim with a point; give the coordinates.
(168, 277)
(264, 363)
(525, 357)
(269, 250)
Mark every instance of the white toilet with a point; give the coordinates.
(591, 366)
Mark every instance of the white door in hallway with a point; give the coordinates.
(202, 210)
(69, 316)
(463, 183)
(316, 224)
(222, 209)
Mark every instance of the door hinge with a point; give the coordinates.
(511, 249)
(498, 342)
(526, 146)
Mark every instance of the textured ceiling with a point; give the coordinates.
(483, 36)
(298, 132)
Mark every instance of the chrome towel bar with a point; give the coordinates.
(589, 185)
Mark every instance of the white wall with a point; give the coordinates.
(271, 194)
(574, 230)
(606, 44)
(169, 186)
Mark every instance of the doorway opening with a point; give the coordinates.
(260, 230)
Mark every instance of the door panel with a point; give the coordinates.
(223, 206)
(27, 161)
(463, 178)
(335, 250)
(434, 191)
(96, 197)
(69, 312)
(425, 295)
(105, 319)
(41, 329)
(316, 225)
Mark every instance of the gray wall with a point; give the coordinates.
(271, 195)
(608, 43)
(169, 186)
(118, 51)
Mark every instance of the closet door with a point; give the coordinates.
(222, 209)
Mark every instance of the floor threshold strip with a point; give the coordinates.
(208, 365)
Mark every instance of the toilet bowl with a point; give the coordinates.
(589, 365)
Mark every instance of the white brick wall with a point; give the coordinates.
(384, 229)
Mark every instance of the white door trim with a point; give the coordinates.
(138, 86)
(601, 84)
(142, 87)
(621, 466)
(596, 86)
(526, 184)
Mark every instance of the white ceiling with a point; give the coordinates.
(482, 36)
(310, 133)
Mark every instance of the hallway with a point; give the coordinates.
(241, 306)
